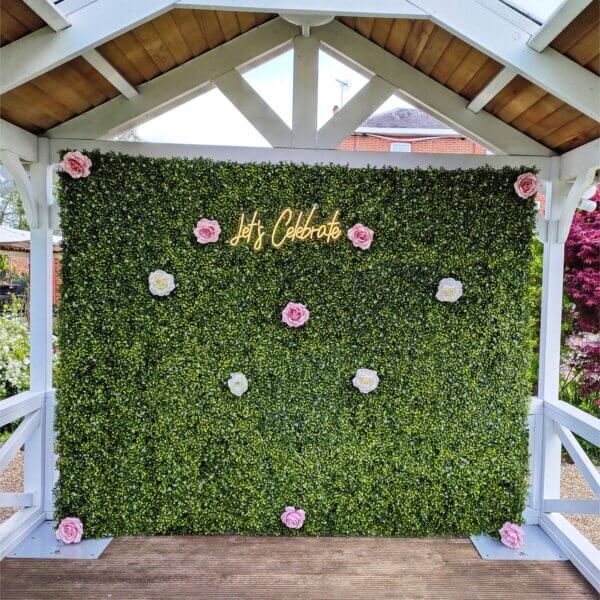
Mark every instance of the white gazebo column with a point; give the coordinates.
(39, 451)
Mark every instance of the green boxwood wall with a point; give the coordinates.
(151, 440)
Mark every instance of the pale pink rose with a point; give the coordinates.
(527, 185)
(295, 314)
(207, 231)
(69, 530)
(360, 236)
(76, 164)
(293, 517)
(511, 535)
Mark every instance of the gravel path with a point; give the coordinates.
(573, 485)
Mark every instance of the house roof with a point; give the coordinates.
(10, 235)
(404, 118)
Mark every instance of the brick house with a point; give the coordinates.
(408, 130)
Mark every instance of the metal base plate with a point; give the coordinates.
(42, 543)
(537, 546)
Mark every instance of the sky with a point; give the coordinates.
(212, 119)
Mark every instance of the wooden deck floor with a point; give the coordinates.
(287, 569)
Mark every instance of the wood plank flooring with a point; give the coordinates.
(233, 567)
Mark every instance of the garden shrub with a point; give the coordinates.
(151, 440)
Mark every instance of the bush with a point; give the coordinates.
(14, 355)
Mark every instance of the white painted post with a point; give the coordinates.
(550, 334)
(305, 103)
(36, 450)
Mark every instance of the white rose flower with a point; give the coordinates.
(238, 384)
(365, 380)
(449, 290)
(161, 283)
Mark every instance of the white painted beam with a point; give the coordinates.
(401, 9)
(580, 159)
(49, 13)
(260, 115)
(178, 85)
(427, 94)
(404, 160)
(506, 43)
(360, 107)
(556, 22)
(109, 72)
(580, 185)
(18, 141)
(92, 25)
(500, 81)
(305, 92)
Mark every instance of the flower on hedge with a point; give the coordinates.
(238, 384)
(207, 231)
(161, 283)
(527, 185)
(76, 165)
(365, 380)
(449, 290)
(293, 518)
(295, 314)
(69, 530)
(360, 236)
(511, 535)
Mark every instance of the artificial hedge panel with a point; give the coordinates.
(150, 439)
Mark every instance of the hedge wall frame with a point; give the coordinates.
(151, 440)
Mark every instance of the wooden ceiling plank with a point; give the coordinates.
(17, 118)
(172, 38)
(466, 70)
(211, 30)
(148, 36)
(349, 21)
(417, 41)
(538, 111)
(580, 140)
(508, 93)
(95, 78)
(449, 60)
(72, 78)
(364, 26)
(51, 83)
(381, 31)
(137, 55)
(488, 71)
(247, 20)
(553, 121)
(18, 102)
(190, 30)
(20, 11)
(53, 107)
(229, 24)
(594, 64)
(12, 28)
(520, 103)
(437, 45)
(580, 26)
(586, 48)
(576, 127)
(398, 35)
(113, 54)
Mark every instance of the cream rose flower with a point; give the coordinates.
(161, 283)
(449, 290)
(238, 384)
(365, 380)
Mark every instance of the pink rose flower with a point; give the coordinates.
(527, 185)
(207, 231)
(295, 314)
(511, 535)
(293, 517)
(69, 530)
(360, 236)
(76, 164)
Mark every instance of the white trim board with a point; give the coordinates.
(274, 155)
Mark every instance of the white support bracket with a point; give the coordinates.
(582, 183)
(243, 96)
(15, 167)
(49, 13)
(109, 72)
(356, 112)
(305, 92)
